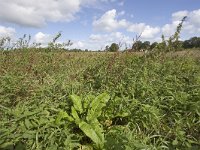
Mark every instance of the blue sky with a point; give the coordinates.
(93, 24)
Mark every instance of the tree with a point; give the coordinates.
(114, 47)
(107, 48)
(187, 44)
(153, 45)
(146, 45)
(137, 46)
(193, 42)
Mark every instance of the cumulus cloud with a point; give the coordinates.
(150, 32)
(78, 44)
(137, 27)
(38, 12)
(107, 38)
(169, 29)
(42, 38)
(177, 16)
(146, 31)
(108, 22)
(194, 18)
(7, 31)
(190, 26)
(100, 41)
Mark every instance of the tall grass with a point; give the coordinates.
(153, 103)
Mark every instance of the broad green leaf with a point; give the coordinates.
(61, 115)
(77, 103)
(96, 106)
(75, 115)
(98, 129)
(87, 101)
(90, 132)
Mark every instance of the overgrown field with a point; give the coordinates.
(112, 101)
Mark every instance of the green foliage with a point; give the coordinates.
(88, 123)
(77, 103)
(193, 42)
(113, 48)
(173, 43)
(150, 102)
(141, 46)
(137, 46)
(5, 43)
(24, 43)
(54, 45)
(153, 45)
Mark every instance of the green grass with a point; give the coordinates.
(154, 103)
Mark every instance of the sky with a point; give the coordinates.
(93, 24)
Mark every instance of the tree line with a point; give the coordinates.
(193, 42)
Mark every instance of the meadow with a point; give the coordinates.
(99, 100)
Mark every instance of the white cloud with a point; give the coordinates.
(146, 31)
(191, 26)
(177, 16)
(150, 32)
(169, 29)
(42, 38)
(100, 41)
(194, 17)
(94, 41)
(112, 37)
(38, 12)
(7, 32)
(78, 44)
(137, 27)
(108, 22)
(95, 37)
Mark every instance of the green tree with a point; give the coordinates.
(153, 45)
(187, 44)
(107, 48)
(195, 41)
(146, 45)
(137, 46)
(114, 47)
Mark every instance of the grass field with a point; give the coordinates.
(89, 100)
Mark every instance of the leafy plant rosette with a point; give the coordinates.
(84, 113)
